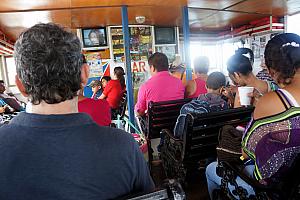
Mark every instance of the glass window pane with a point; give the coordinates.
(11, 70)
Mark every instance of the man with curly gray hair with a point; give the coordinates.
(56, 152)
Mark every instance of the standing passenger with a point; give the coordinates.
(198, 86)
(161, 86)
(56, 152)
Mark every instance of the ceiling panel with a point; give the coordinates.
(272, 7)
(16, 5)
(22, 5)
(224, 20)
(162, 16)
(196, 15)
(293, 6)
(214, 4)
(82, 3)
(14, 23)
(112, 16)
(93, 17)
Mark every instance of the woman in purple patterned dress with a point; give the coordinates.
(272, 139)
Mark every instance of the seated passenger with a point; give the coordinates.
(11, 101)
(264, 74)
(56, 152)
(240, 72)
(160, 87)
(104, 81)
(178, 70)
(96, 89)
(197, 86)
(215, 84)
(272, 139)
(115, 88)
(98, 109)
(210, 102)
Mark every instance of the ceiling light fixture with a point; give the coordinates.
(140, 19)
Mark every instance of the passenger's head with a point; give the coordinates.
(119, 74)
(239, 68)
(201, 65)
(158, 62)
(105, 80)
(2, 87)
(282, 57)
(95, 85)
(215, 82)
(49, 64)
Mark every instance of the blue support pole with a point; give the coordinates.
(186, 37)
(129, 87)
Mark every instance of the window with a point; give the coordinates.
(293, 24)
(11, 70)
(1, 69)
(218, 54)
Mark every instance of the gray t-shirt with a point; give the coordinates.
(68, 157)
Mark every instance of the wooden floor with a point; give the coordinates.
(196, 187)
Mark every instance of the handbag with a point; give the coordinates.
(229, 147)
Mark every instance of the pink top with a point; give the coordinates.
(160, 87)
(200, 88)
(99, 110)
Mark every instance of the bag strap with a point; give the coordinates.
(131, 125)
(283, 100)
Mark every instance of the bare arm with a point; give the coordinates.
(268, 105)
(102, 96)
(190, 88)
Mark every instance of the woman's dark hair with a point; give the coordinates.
(83, 59)
(216, 80)
(243, 51)
(48, 61)
(240, 64)
(282, 54)
(201, 65)
(107, 78)
(119, 72)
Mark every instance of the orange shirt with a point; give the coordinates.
(179, 74)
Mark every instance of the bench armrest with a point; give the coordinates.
(237, 167)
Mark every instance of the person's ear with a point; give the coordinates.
(20, 86)
(221, 89)
(85, 71)
(236, 75)
(153, 69)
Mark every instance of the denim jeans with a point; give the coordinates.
(214, 181)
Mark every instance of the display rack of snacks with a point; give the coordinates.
(117, 43)
(140, 43)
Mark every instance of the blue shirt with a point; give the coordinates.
(68, 157)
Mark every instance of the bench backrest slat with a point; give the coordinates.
(201, 137)
(163, 115)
